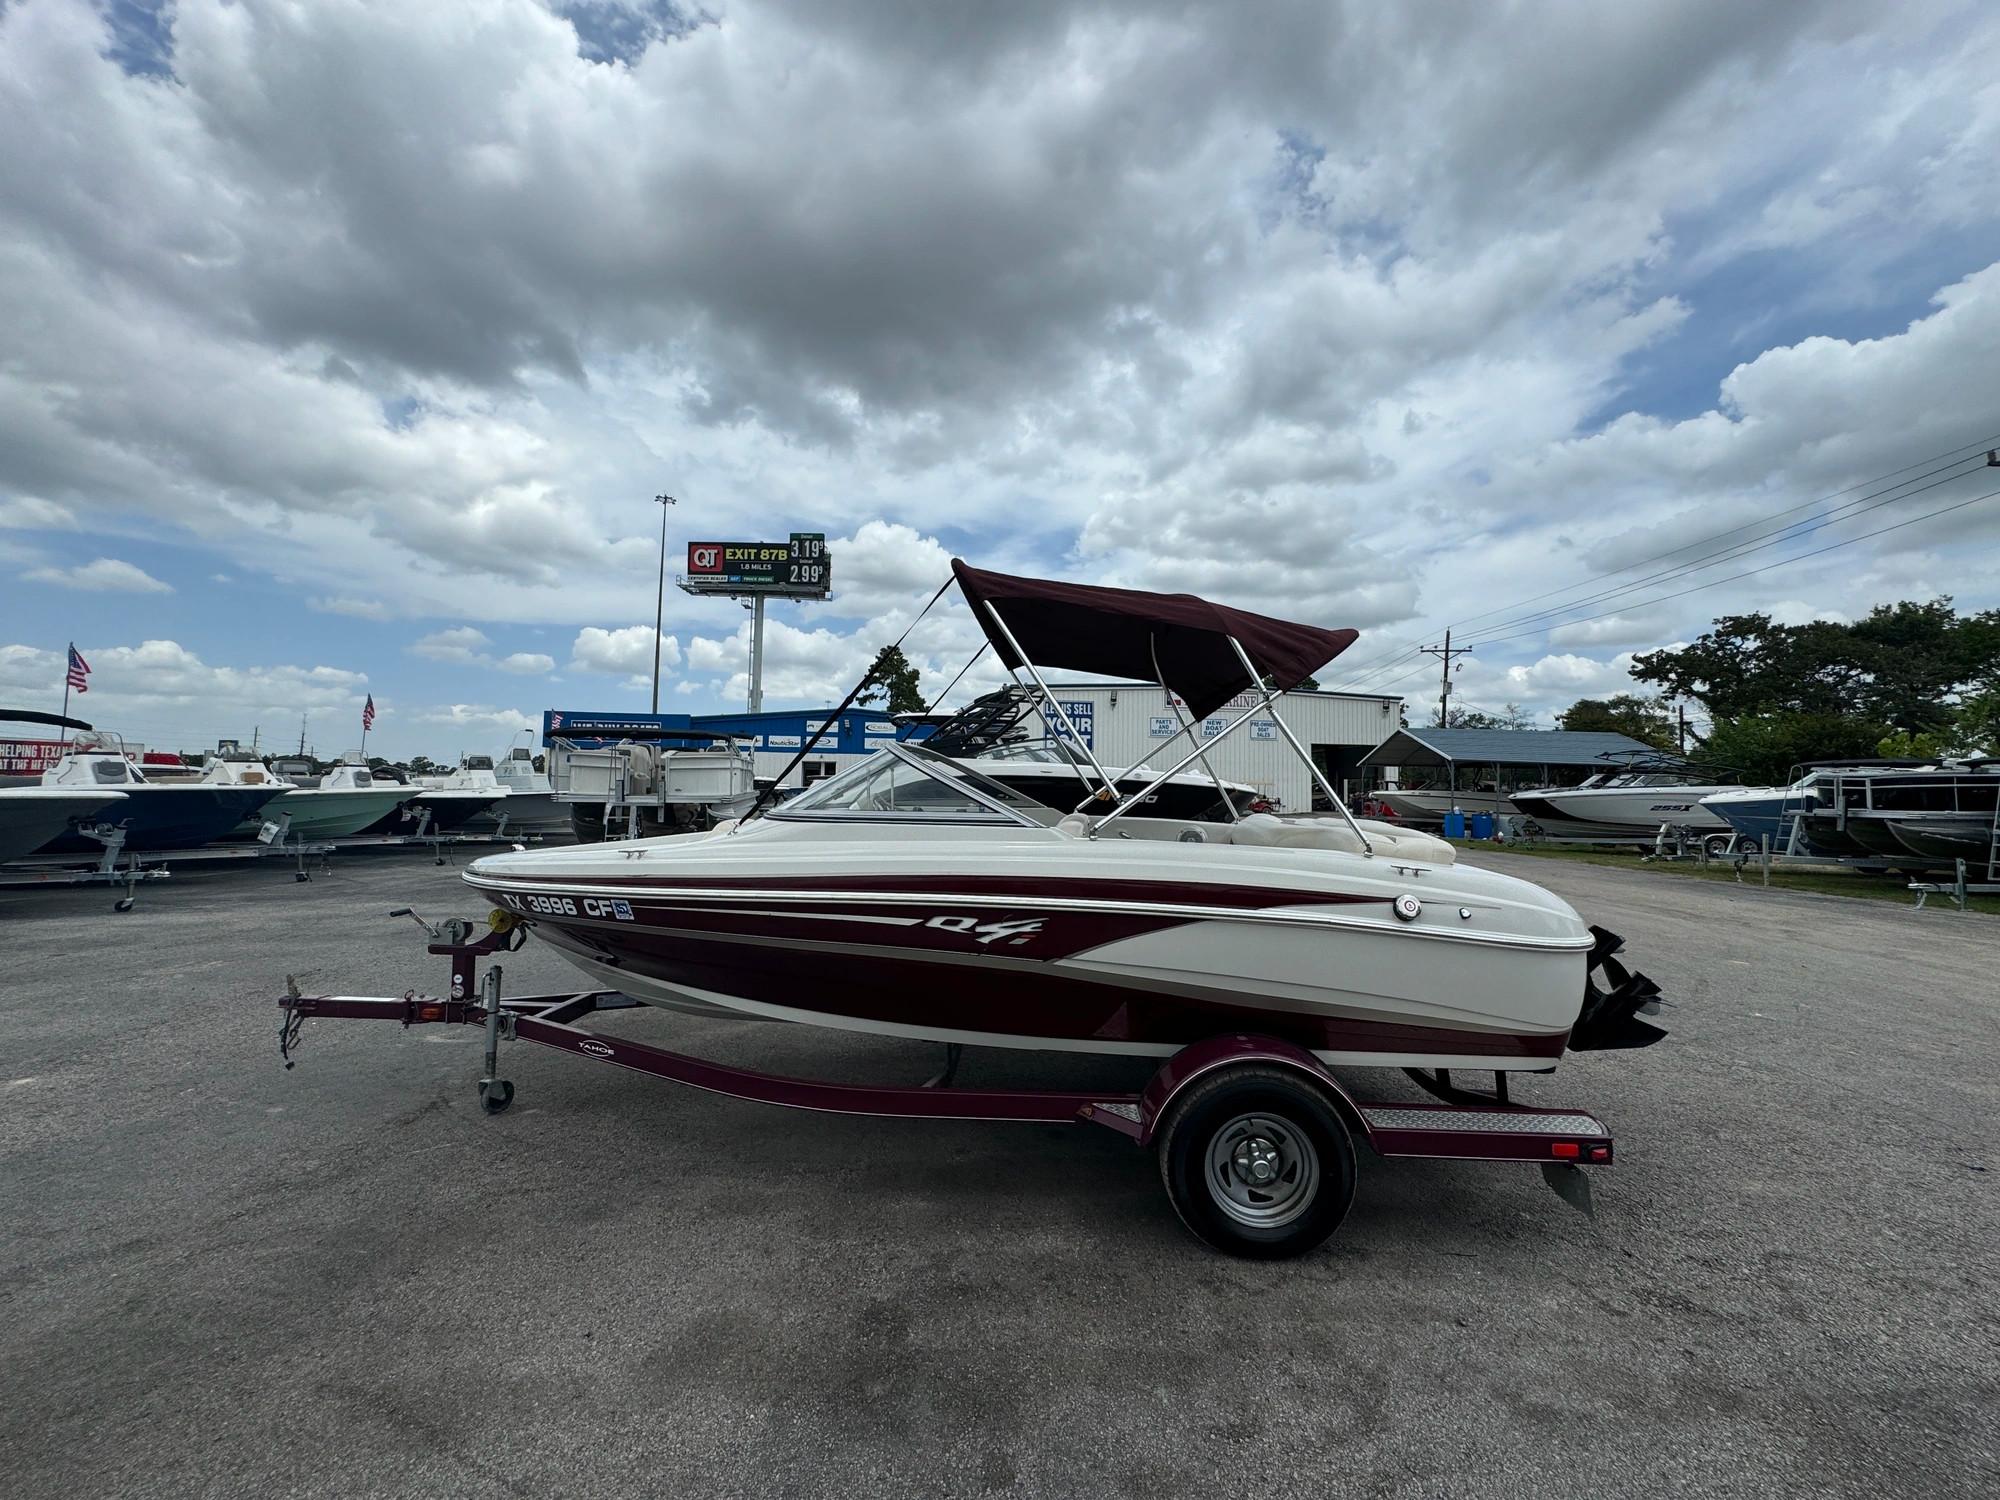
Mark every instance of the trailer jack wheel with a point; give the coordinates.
(495, 1094)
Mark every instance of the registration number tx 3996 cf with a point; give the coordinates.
(569, 906)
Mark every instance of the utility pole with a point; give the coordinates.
(1682, 710)
(660, 599)
(1444, 654)
(302, 734)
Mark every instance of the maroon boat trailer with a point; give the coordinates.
(1254, 1134)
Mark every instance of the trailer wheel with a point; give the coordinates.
(1258, 1162)
(495, 1094)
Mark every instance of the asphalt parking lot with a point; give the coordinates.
(217, 1277)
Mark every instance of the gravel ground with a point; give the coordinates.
(217, 1277)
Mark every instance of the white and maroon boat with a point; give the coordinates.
(912, 896)
(915, 896)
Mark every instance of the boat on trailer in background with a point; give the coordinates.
(915, 896)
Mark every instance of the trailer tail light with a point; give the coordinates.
(1567, 1150)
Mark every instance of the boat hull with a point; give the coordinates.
(1636, 814)
(1089, 965)
(30, 816)
(183, 816)
(448, 811)
(1766, 817)
(1427, 809)
(526, 812)
(329, 813)
(1947, 839)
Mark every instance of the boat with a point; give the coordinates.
(339, 804)
(529, 802)
(154, 815)
(438, 804)
(1426, 806)
(1632, 800)
(1914, 816)
(31, 816)
(914, 895)
(1780, 813)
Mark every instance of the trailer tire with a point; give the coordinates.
(1258, 1162)
(495, 1094)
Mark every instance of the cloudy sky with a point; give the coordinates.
(343, 344)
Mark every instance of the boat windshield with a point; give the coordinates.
(908, 781)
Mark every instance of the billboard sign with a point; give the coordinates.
(799, 567)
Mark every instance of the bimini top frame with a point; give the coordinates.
(1189, 646)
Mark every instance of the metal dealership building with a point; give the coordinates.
(1124, 723)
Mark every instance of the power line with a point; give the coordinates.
(1790, 532)
(1747, 573)
(1782, 562)
(1948, 458)
(1797, 529)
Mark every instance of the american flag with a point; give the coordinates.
(79, 671)
(367, 710)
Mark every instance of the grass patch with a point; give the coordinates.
(1858, 884)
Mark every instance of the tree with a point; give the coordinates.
(1764, 748)
(1644, 719)
(1902, 666)
(420, 765)
(1509, 716)
(892, 682)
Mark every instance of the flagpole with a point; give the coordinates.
(72, 652)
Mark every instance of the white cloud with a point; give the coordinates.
(360, 609)
(462, 645)
(527, 664)
(482, 718)
(161, 692)
(629, 650)
(105, 575)
(31, 514)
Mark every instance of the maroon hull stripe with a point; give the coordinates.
(1004, 1001)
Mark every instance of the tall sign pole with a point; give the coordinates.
(757, 655)
(1444, 654)
(660, 599)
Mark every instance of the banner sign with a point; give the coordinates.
(799, 566)
(1082, 714)
(32, 757)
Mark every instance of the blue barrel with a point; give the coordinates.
(1482, 825)
(1454, 824)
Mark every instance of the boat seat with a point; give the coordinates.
(1266, 831)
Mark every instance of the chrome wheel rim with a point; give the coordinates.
(1262, 1171)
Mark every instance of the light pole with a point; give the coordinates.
(660, 599)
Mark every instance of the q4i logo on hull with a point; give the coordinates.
(1011, 933)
